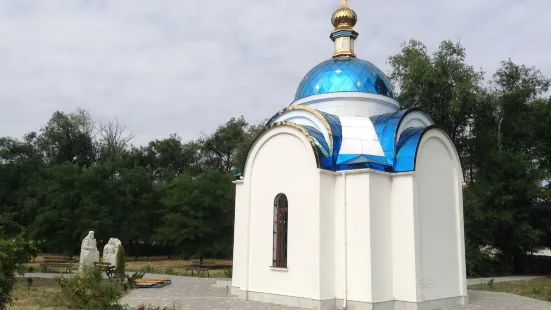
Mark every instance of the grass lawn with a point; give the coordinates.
(176, 266)
(537, 288)
(43, 294)
(159, 265)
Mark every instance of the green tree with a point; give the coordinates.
(121, 263)
(443, 85)
(199, 214)
(69, 138)
(246, 143)
(509, 150)
(57, 224)
(220, 150)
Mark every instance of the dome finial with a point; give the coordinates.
(344, 19)
(344, 4)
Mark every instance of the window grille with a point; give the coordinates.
(280, 231)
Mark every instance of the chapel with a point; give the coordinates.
(348, 201)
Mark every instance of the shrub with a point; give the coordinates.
(135, 276)
(121, 267)
(491, 284)
(14, 252)
(147, 268)
(90, 290)
(228, 272)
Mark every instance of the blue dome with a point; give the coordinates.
(344, 75)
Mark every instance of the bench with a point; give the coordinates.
(122, 278)
(112, 275)
(107, 268)
(200, 267)
(57, 261)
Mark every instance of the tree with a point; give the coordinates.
(121, 264)
(20, 164)
(168, 158)
(58, 223)
(220, 149)
(509, 151)
(443, 85)
(68, 138)
(246, 143)
(199, 214)
(113, 139)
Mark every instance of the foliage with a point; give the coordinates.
(132, 279)
(14, 252)
(228, 272)
(65, 180)
(89, 290)
(121, 263)
(196, 222)
(539, 288)
(170, 271)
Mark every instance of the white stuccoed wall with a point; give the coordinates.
(240, 235)
(440, 218)
(381, 239)
(328, 240)
(338, 253)
(403, 238)
(295, 174)
(358, 228)
(368, 261)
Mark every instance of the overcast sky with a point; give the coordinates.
(185, 67)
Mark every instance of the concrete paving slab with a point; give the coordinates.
(191, 293)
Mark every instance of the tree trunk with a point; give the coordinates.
(519, 261)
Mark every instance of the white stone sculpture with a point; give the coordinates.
(110, 251)
(89, 253)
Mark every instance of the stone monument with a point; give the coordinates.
(110, 251)
(89, 253)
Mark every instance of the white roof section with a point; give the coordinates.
(359, 137)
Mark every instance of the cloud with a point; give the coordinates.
(180, 66)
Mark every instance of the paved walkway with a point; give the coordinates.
(191, 293)
(501, 279)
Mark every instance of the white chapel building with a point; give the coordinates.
(347, 201)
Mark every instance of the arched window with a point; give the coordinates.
(280, 231)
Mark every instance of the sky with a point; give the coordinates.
(186, 67)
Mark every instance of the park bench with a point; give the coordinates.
(107, 268)
(200, 267)
(122, 278)
(58, 262)
(111, 273)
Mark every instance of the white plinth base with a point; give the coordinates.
(337, 304)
